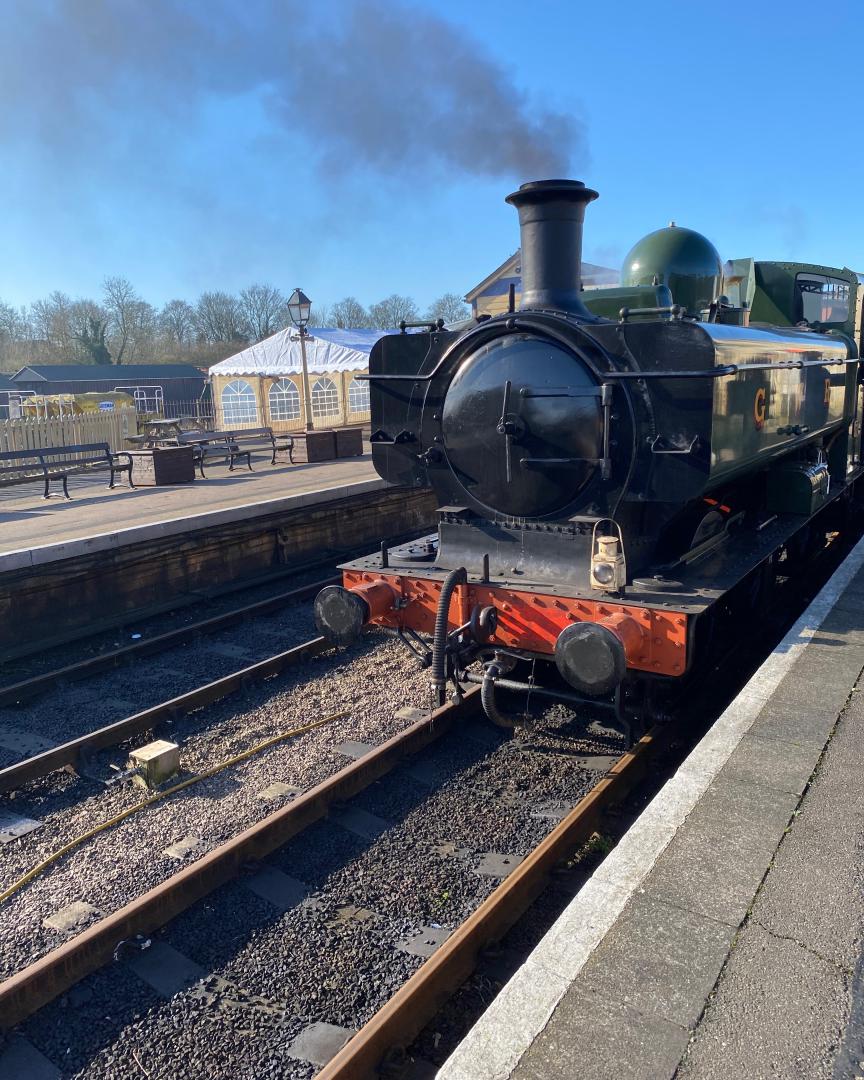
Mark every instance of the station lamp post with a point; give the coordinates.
(299, 309)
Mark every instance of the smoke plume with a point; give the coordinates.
(384, 86)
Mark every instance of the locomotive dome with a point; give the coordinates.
(684, 260)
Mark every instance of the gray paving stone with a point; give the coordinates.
(718, 857)
(280, 890)
(818, 869)
(319, 1042)
(408, 712)
(772, 763)
(165, 969)
(659, 959)
(13, 825)
(424, 942)
(775, 1014)
(843, 625)
(598, 1038)
(72, 917)
(808, 722)
(354, 750)
(360, 822)
(20, 1060)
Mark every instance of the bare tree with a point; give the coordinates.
(390, 312)
(322, 316)
(349, 313)
(263, 309)
(220, 318)
(123, 306)
(51, 324)
(177, 322)
(88, 325)
(16, 334)
(449, 307)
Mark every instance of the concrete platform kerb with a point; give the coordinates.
(494, 1048)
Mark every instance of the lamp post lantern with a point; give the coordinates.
(299, 309)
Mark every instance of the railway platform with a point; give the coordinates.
(109, 556)
(722, 937)
(34, 530)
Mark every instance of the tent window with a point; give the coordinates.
(238, 403)
(284, 400)
(325, 398)
(358, 396)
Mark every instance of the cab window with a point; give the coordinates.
(822, 299)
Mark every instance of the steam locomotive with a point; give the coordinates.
(620, 473)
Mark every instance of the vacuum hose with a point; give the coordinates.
(487, 695)
(439, 640)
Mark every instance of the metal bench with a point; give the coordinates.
(50, 463)
(230, 445)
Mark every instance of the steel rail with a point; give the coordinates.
(15, 693)
(405, 1015)
(28, 990)
(76, 751)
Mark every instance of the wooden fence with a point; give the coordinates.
(30, 433)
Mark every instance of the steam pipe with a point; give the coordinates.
(551, 213)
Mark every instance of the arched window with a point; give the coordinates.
(284, 398)
(325, 398)
(358, 396)
(238, 403)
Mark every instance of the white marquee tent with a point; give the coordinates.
(327, 352)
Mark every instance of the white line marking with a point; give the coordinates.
(495, 1045)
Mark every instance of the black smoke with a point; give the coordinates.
(385, 87)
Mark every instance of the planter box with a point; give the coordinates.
(163, 465)
(314, 446)
(349, 442)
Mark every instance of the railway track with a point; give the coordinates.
(26, 689)
(402, 1013)
(53, 974)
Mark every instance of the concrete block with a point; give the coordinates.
(354, 750)
(424, 942)
(497, 864)
(13, 825)
(156, 762)
(281, 890)
(183, 847)
(319, 1042)
(20, 1060)
(360, 822)
(72, 917)
(278, 790)
(165, 969)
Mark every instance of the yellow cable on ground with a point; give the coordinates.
(72, 844)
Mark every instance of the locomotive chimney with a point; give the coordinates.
(551, 213)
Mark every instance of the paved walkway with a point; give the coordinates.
(722, 938)
(27, 520)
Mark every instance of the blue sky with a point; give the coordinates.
(207, 146)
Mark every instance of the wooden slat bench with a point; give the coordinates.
(230, 446)
(58, 463)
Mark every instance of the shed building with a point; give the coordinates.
(490, 297)
(156, 388)
(263, 385)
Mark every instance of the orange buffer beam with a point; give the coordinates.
(654, 640)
